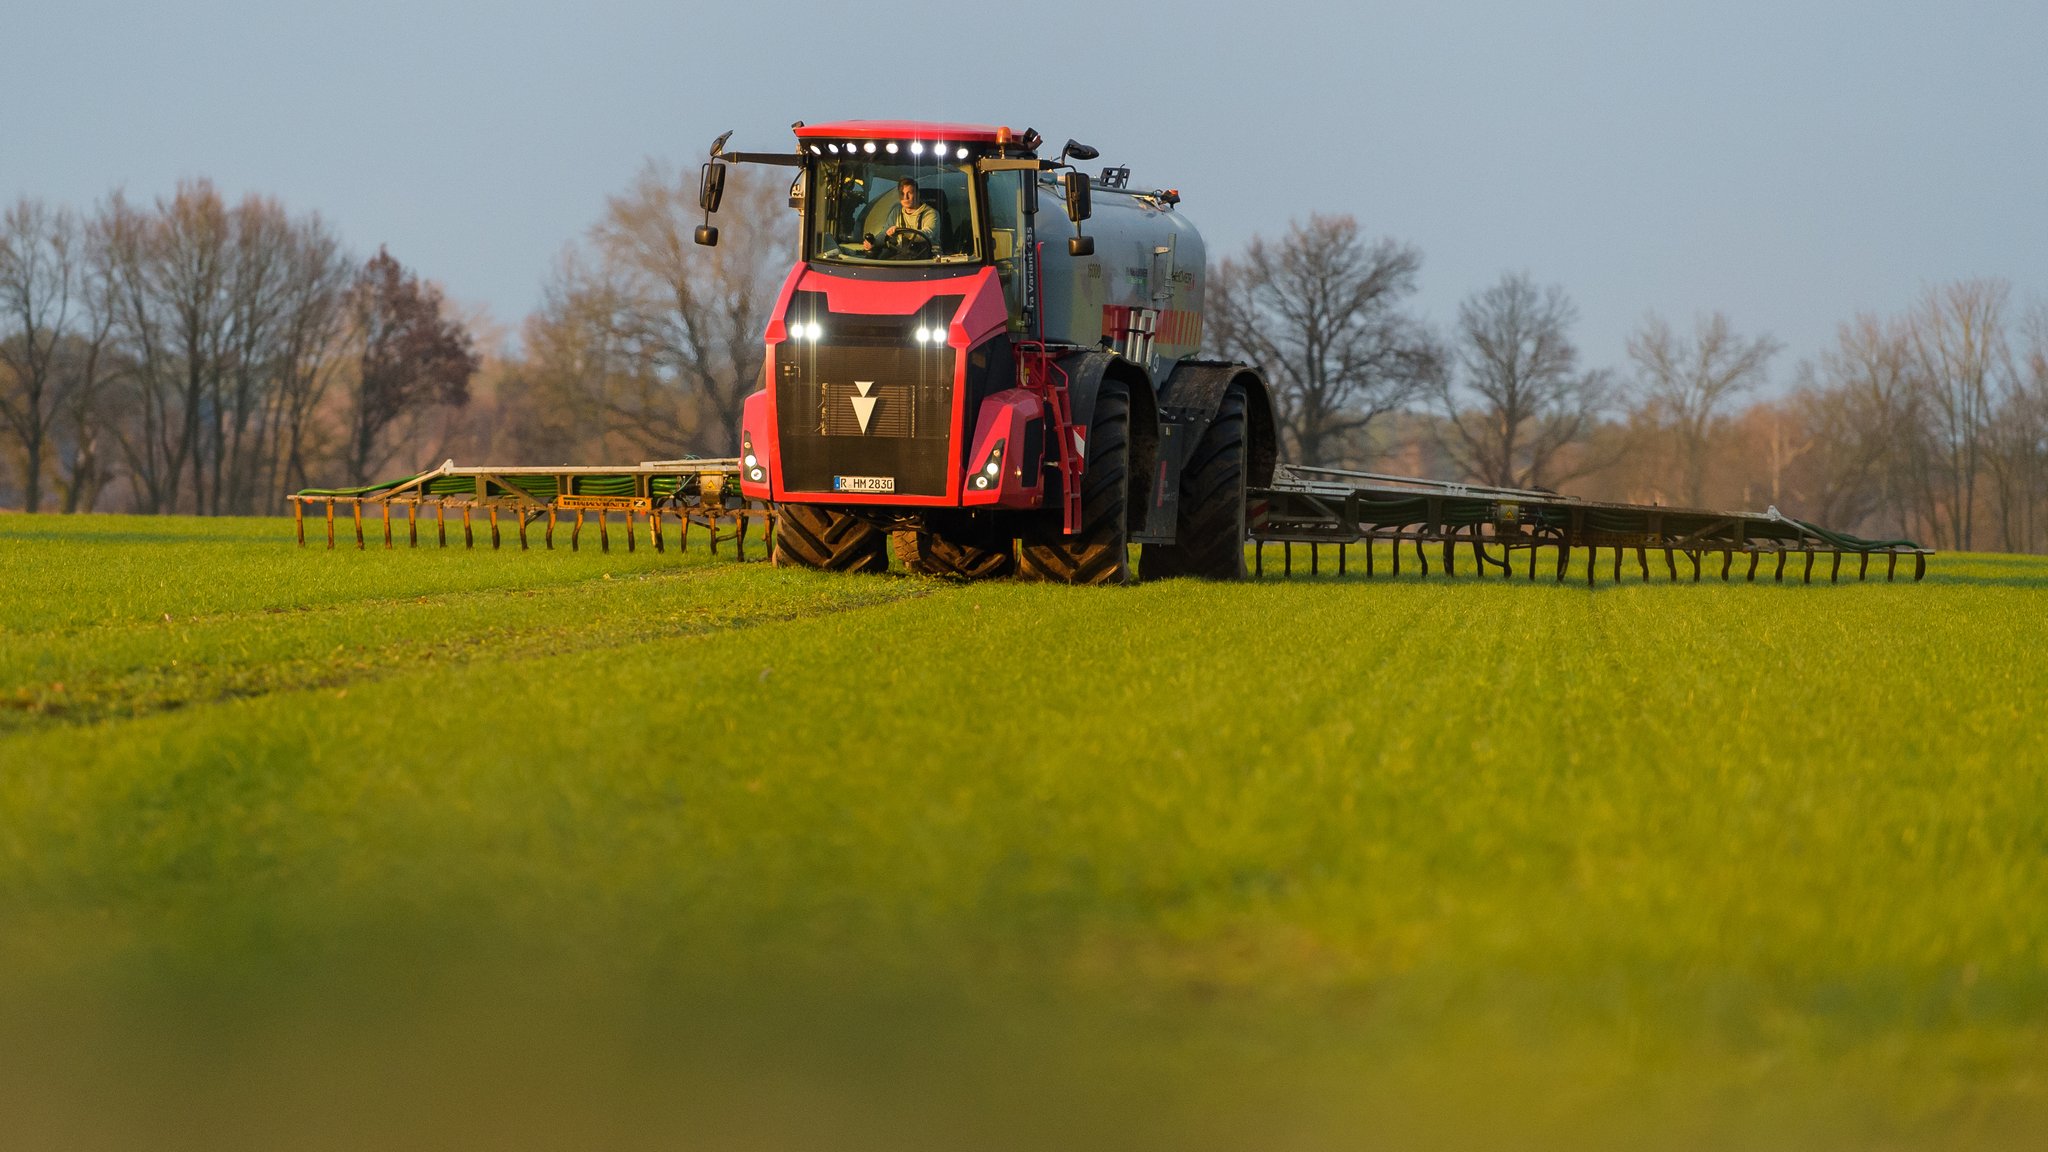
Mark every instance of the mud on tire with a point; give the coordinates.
(953, 557)
(1099, 553)
(808, 536)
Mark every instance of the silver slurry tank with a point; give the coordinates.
(1141, 291)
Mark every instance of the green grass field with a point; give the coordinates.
(434, 849)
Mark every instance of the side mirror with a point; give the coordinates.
(1079, 206)
(1080, 245)
(707, 236)
(711, 186)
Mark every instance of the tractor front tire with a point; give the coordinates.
(808, 536)
(1099, 553)
(1210, 532)
(939, 554)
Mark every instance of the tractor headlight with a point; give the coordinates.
(749, 461)
(991, 469)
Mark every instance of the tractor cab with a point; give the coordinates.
(967, 191)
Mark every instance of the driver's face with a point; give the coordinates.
(909, 196)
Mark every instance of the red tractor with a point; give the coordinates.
(939, 375)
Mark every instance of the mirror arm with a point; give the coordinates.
(781, 159)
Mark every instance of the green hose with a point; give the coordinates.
(1847, 543)
(365, 490)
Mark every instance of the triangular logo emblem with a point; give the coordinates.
(864, 404)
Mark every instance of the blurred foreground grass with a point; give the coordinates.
(546, 850)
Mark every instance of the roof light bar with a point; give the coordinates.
(937, 151)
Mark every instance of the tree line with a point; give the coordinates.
(1932, 423)
(191, 355)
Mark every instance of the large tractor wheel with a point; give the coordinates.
(1209, 533)
(939, 554)
(808, 536)
(1099, 553)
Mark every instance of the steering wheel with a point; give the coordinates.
(906, 244)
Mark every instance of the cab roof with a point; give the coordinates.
(903, 130)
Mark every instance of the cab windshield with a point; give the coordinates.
(892, 210)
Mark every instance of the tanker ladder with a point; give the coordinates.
(704, 493)
(1335, 506)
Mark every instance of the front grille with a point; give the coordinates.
(909, 430)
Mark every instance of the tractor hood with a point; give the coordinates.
(872, 381)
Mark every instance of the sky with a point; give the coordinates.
(1788, 163)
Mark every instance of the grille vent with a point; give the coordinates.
(894, 414)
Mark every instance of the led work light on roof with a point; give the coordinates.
(962, 154)
(890, 147)
(868, 147)
(917, 147)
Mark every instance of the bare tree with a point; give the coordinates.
(316, 286)
(1862, 414)
(1686, 385)
(40, 272)
(1320, 312)
(193, 261)
(646, 343)
(693, 316)
(411, 357)
(124, 243)
(586, 388)
(1516, 396)
(82, 470)
(167, 269)
(238, 405)
(2017, 446)
(1958, 337)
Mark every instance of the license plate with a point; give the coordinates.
(863, 483)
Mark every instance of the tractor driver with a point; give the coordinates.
(909, 216)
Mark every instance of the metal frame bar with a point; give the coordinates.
(1365, 507)
(706, 494)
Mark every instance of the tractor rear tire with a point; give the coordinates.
(937, 554)
(1210, 532)
(1100, 552)
(808, 536)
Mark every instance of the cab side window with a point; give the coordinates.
(1007, 239)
